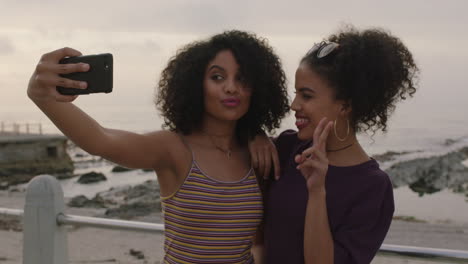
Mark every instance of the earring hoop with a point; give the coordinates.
(336, 133)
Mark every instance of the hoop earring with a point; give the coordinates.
(336, 133)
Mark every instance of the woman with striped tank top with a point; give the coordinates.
(214, 95)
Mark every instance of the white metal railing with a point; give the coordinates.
(424, 252)
(109, 223)
(20, 128)
(11, 212)
(45, 235)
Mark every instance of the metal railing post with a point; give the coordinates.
(44, 241)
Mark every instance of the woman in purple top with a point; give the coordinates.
(332, 203)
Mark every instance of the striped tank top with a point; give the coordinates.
(209, 221)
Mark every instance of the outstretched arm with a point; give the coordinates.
(125, 148)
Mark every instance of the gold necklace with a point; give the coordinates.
(228, 152)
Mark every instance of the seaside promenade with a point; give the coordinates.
(92, 245)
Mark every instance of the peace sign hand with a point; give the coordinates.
(313, 162)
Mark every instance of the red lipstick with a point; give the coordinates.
(230, 102)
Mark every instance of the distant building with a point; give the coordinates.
(25, 156)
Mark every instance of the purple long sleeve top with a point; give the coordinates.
(359, 201)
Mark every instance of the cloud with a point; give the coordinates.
(6, 46)
(212, 16)
(139, 46)
(429, 25)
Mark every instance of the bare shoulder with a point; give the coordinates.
(175, 160)
(163, 136)
(170, 146)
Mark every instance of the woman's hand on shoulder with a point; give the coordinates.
(46, 77)
(263, 154)
(313, 162)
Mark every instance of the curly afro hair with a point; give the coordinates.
(180, 90)
(371, 70)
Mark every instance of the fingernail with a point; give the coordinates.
(83, 85)
(85, 67)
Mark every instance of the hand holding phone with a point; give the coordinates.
(99, 76)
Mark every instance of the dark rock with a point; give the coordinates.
(92, 177)
(125, 202)
(136, 253)
(10, 223)
(23, 172)
(429, 175)
(408, 219)
(17, 179)
(128, 211)
(120, 169)
(422, 187)
(461, 188)
(4, 185)
(149, 190)
(450, 141)
(389, 155)
(83, 201)
(78, 201)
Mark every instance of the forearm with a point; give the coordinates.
(258, 248)
(318, 241)
(78, 126)
(258, 252)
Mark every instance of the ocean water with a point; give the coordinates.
(416, 125)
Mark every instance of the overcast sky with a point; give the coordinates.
(143, 34)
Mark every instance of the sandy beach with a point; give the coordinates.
(91, 245)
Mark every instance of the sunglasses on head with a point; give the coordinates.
(323, 49)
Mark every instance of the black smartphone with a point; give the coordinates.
(99, 77)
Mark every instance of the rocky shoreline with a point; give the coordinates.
(433, 174)
(423, 175)
(141, 202)
(125, 202)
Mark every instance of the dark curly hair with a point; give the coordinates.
(370, 70)
(180, 89)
